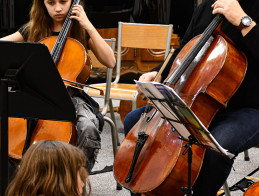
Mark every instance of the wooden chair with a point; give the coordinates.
(136, 35)
(106, 96)
(106, 99)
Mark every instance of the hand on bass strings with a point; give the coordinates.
(78, 13)
(232, 11)
(96, 43)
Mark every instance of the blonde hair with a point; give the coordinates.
(50, 168)
(40, 24)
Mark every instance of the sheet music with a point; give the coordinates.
(179, 115)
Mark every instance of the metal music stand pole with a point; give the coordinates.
(188, 149)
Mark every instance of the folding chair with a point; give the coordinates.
(136, 35)
(106, 96)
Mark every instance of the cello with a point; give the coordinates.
(205, 74)
(252, 190)
(74, 66)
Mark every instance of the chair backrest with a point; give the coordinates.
(139, 35)
(96, 63)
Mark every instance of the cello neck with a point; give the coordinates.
(60, 42)
(195, 50)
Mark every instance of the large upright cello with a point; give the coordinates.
(74, 66)
(205, 74)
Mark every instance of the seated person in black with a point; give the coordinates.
(236, 127)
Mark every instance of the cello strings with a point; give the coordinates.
(143, 123)
(187, 61)
(60, 42)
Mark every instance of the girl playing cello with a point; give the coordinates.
(46, 19)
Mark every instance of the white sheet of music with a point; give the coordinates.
(179, 115)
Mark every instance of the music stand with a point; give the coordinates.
(30, 87)
(183, 120)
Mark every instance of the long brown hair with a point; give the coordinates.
(40, 24)
(50, 168)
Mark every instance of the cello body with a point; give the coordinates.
(44, 130)
(74, 65)
(252, 190)
(205, 86)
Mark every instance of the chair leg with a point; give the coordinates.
(113, 133)
(246, 155)
(114, 121)
(226, 189)
(134, 101)
(114, 142)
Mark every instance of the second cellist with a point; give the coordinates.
(236, 126)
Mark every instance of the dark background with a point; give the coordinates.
(107, 13)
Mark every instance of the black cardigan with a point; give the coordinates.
(248, 93)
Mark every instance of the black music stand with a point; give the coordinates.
(31, 88)
(183, 120)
